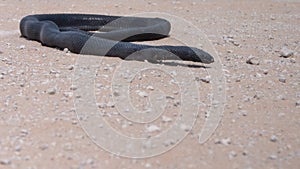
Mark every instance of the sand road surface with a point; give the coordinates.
(256, 45)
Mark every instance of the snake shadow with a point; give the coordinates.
(186, 65)
(174, 63)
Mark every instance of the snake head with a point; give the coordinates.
(199, 55)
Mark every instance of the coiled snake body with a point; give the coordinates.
(76, 32)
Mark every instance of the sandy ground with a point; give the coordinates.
(260, 125)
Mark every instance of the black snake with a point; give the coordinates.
(76, 32)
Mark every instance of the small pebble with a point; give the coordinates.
(53, 71)
(244, 112)
(166, 119)
(150, 88)
(270, 37)
(110, 104)
(73, 87)
(66, 50)
(51, 91)
(68, 147)
(153, 128)
(282, 79)
(170, 97)
(285, 52)
(235, 43)
(68, 94)
(298, 103)
(292, 60)
(281, 97)
(238, 79)
(148, 165)
(22, 47)
(71, 67)
(273, 138)
(169, 142)
(5, 162)
(101, 105)
(205, 79)
(272, 18)
(22, 84)
(252, 60)
(265, 71)
(143, 94)
(273, 157)
(90, 161)
(116, 93)
(226, 141)
(74, 122)
(185, 127)
(24, 132)
(43, 146)
(232, 154)
(258, 95)
(18, 148)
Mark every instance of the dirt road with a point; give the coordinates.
(256, 45)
